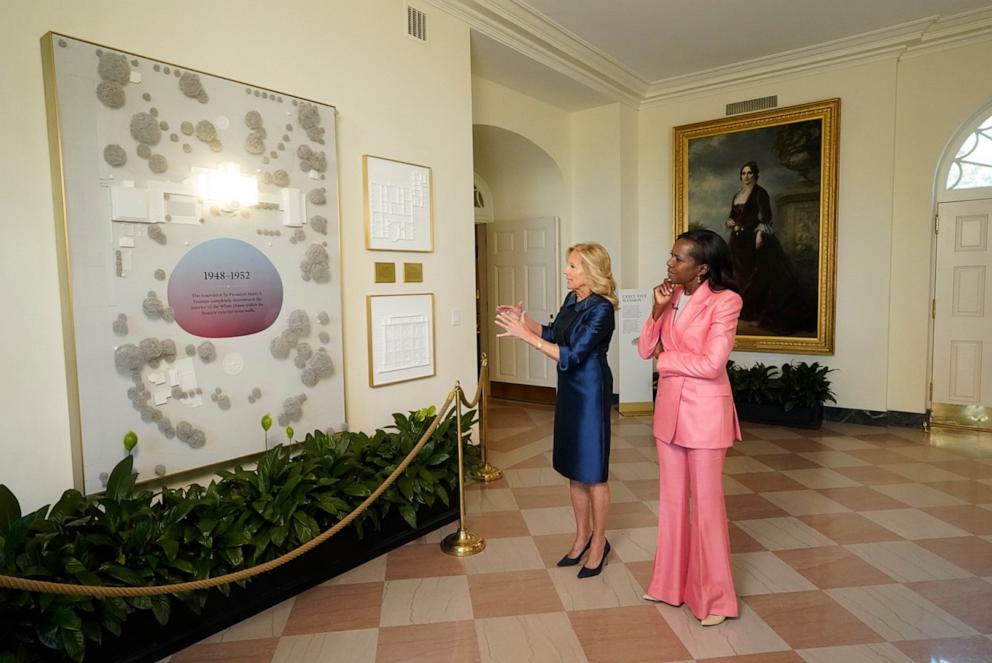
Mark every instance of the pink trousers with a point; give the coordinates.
(692, 562)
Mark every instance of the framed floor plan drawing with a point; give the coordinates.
(401, 338)
(398, 210)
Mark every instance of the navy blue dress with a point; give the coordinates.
(582, 331)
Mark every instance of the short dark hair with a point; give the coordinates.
(708, 248)
(753, 165)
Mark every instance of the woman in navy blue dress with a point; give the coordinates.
(578, 340)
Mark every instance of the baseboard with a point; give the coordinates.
(874, 417)
(523, 392)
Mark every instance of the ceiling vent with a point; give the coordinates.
(416, 24)
(752, 105)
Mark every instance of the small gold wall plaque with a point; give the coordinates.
(385, 272)
(413, 272)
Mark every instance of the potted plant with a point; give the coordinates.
(792, 395)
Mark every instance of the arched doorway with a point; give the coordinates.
(518, 254)
(961, 350)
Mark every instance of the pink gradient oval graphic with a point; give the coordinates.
(223, 288)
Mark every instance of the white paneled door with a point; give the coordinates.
(962, 350)
(523, 266)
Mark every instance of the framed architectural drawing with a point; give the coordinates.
(199, 251)
(767, 182)
(401, 338)
(398, 208)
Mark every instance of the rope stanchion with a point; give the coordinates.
(107, 591)
(462, 543)
(487, 472)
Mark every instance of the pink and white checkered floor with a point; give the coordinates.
(850, 543)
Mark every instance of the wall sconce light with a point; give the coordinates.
(227, 187)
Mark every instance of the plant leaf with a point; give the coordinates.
(121, 481)
(409, 514)
(74, 642)
(10, 509)
(161, 609)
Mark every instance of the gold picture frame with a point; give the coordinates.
(398, 205)
(401, 338)
(782, 232)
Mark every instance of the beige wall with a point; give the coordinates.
(938, 93)
(395, 98)
(864, 209)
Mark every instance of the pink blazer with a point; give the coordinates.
(695, 407)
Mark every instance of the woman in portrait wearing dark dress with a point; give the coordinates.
(578, 340)
(764, 274)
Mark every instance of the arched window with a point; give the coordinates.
(482, 200)
(972, 165)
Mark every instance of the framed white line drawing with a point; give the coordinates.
(400, 338)
(398, 205)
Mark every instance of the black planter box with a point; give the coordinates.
(144, 639)
(799, 417)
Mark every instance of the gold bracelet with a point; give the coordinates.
(540, 344)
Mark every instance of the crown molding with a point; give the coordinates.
(518, 26)
(521, 28)
(954, 31)
(879, 44)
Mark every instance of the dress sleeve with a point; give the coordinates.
(648, 340)
(765, 210)
(716, 348)
(594, 330)
(548, 333)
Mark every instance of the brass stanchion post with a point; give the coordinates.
(462, 543)
(486, 472)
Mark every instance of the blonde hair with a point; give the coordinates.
(599, 270)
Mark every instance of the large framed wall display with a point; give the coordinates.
(199, 259)
(767, 182)
(399, 213)
(401, 338)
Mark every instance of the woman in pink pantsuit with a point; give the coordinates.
(691, 333)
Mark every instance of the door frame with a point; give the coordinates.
(941, 194)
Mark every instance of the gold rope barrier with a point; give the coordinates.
(462, 543)
(486, 472)
(105, 591)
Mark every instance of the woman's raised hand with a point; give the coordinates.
(512, 319)
(516, 310)
(662, 297)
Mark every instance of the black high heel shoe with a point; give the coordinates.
(586, 572)
(572, 561)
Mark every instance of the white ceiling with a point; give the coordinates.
(583, 53)
(659, 39)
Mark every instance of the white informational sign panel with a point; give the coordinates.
(635, 373)
(202, 258)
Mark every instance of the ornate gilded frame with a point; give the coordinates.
(760, 136)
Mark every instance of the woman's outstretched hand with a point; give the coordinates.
(662, 297)
(512, 320)
(515, 310)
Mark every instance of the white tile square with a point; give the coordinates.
(783, 533)
(914, 524)
(896, 612)
(904, 561)
(425, 601)
(765, 573)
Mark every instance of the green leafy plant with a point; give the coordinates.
(132, 537)
(755, 384)
(804, 385)
(797, 384)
